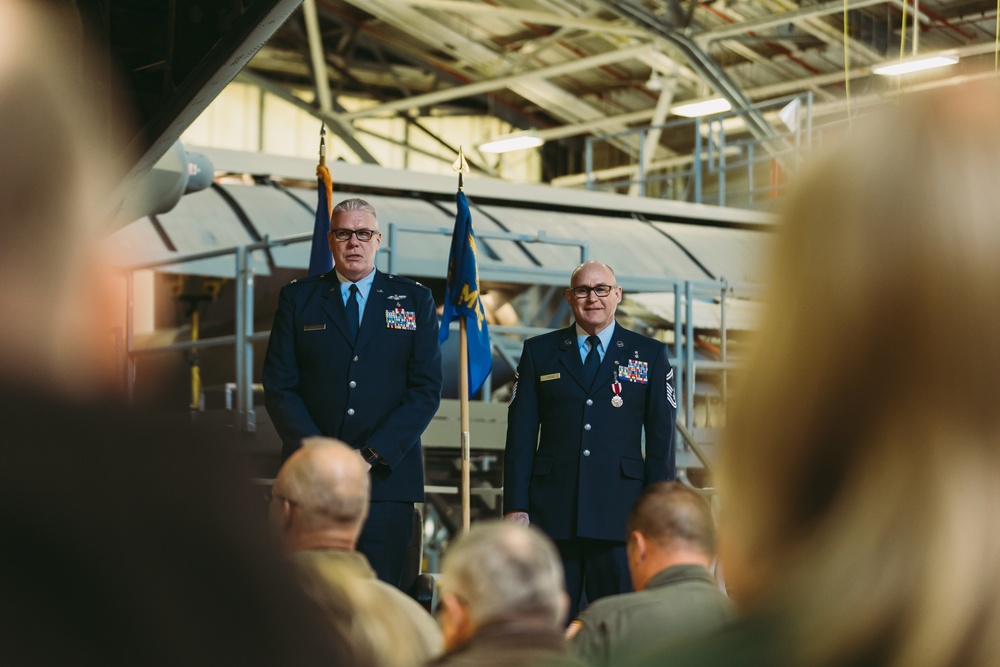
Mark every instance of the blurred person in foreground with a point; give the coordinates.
(503, 600)
(671, 545)
(318, 505)
(860, 485)
(124, 543)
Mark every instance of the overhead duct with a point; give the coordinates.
(176, 174)
(700, 61)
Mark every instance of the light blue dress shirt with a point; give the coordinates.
(602, 347)
(364, 288)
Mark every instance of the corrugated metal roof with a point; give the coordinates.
(417, 231)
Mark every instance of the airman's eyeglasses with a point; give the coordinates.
(364, 235)
(582, 292)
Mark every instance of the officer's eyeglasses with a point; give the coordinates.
(364, 235)
(582, 292)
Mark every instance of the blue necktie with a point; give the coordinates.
(593, 361)
(353, 314)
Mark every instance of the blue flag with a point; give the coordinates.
(320, 259)
(462, 297)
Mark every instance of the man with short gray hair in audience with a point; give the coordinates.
(503, 600)
(319, 503)
(671, 545)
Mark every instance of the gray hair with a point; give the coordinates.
(503, 570)
(355, 204)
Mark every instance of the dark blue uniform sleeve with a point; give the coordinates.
(281, 377)
(396, 435)
(661, 411)
(522, 437)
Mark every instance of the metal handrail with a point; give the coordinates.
(681, 354)
(695, 447)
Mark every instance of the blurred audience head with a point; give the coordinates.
(320, 496)
(125, 539)
(862, 473)
(670, 524)
(501, 572)
(61, 165)
(378, 630)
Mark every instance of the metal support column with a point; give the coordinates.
(246, 418)
(724, 344)
(689, 355)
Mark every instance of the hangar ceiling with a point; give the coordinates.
(573, 68)
(567, 69)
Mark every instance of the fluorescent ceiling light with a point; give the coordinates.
(916, 64)
(704, 108)
(512, 142)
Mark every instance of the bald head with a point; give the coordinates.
(593, 265)
(321, 495)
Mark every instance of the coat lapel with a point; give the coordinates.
(374, 316)
(333, 303)
(570, 356)
(617, 353)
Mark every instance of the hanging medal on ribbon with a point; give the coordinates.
(616, 400)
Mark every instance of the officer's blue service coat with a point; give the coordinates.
(381, 392)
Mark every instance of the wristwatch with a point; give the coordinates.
(369, 455)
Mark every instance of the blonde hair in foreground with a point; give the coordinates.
(61, 165)
(861, 483)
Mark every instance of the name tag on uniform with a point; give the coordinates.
(314, 327)
(398, 318)
(550, 376)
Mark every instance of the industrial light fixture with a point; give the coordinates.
(703, 108)
(512, 142)
(916, 64)
(654, 83)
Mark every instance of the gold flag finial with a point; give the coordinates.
(461, 165)
(322, 145)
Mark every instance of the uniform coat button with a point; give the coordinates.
(355, 357)
(590, 401)
(586, 452)
(586, 427)
(350, 411)
(353, 384)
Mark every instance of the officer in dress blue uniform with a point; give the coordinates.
(353, 355)
(573, 463)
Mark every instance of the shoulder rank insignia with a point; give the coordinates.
(671, 396)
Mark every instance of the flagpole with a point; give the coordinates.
(463, 388)
(463, 393)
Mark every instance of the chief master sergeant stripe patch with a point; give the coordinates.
(671, 398)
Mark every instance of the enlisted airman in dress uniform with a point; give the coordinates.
(574, 463)
(353, 355)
